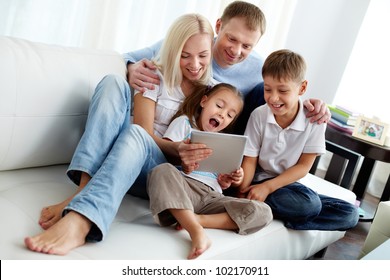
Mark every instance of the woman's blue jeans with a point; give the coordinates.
(114, 153)
(301, 208)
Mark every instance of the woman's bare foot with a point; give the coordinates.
(200, 243)
(67, 234)
(53, 213)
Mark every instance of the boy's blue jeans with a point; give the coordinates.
(301, 208)
(115, 153)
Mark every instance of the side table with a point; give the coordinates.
(371, 153)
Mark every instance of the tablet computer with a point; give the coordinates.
(228, 151)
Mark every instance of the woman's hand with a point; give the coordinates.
(141, 75)
(318, 111)
(192, 154)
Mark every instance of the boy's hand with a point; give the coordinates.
(258, 192)
(318, 111)
(141, 75)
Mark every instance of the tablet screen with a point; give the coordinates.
(228, 151)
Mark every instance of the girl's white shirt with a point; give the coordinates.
(179, 130)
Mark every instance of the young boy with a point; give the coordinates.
(284, 143)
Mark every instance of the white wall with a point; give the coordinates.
(324, 32)
(367, 71)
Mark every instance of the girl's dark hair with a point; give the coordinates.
(191, 105)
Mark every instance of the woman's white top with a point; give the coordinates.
(166, 104)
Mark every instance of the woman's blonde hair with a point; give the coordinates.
(168, 59)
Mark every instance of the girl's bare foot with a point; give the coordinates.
(178, 226)
(200, 243)
(67, 234)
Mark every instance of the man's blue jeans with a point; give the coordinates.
(301, 208)
(114, 153)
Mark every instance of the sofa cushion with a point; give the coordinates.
(44, 96)
(134, 235)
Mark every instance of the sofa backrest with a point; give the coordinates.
(44, 96)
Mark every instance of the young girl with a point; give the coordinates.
(115, 153)
(176, 198)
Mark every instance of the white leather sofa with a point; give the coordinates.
(378, 233)
(44, 98)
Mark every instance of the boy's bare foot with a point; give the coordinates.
(52, 214)
(67, 234)
(200, 243)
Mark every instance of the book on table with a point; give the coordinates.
(347, 110)
(341, 126)
(343, 115)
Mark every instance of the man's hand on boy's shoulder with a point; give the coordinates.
(318, 111)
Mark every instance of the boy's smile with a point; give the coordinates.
(282, 98)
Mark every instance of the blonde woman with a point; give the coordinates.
(113, 154)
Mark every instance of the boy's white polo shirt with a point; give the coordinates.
(278, 149)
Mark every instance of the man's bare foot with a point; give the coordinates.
(67, 234)
(52, 214)
(200, 243)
